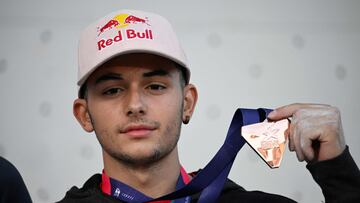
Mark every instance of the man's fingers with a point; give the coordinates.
(315, 132)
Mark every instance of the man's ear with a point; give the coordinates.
(82, 115)
(190, 99)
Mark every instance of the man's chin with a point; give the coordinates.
(139, 159)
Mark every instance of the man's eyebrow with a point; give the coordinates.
(107, 77)
(158, 72)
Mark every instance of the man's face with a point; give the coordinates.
(135, 103)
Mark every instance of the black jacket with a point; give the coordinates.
(338, 178)
(12, 186)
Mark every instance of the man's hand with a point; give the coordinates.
(315, 131)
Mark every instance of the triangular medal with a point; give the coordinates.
(267, 139)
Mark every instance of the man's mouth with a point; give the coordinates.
(138, 130)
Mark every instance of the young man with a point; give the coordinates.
(135, 93)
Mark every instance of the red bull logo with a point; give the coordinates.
(122, 21)
(129, 34)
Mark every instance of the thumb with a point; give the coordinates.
(284, 111)
(280, 113)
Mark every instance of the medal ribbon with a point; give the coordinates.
(208, 181)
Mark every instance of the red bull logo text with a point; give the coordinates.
(129, 34)
(122, 21)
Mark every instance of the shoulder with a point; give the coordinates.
(12, 186)
(8, 171)
(89, 192)
(233, 192)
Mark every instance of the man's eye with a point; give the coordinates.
(156, 87)
(113, 91)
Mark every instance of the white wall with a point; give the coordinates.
(242, 53)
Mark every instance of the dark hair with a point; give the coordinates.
(83, 89)
(183, 81)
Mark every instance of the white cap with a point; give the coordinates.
(128, 31)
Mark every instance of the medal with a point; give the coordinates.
(267, 139)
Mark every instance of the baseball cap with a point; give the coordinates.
(125, 32)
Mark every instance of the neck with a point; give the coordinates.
(153, 180)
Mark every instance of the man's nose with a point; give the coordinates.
(135, 104)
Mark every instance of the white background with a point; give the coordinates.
(242, 54)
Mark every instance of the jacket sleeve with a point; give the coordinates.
(339, 178)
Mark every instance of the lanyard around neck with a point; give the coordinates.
(126, 193)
